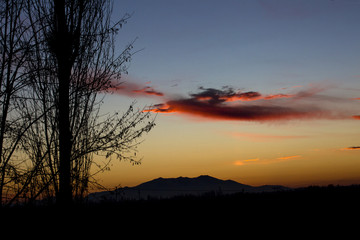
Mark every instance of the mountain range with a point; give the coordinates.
(181, 186)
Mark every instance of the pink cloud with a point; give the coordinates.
(133, 89)
(149, 91)
(275, 96)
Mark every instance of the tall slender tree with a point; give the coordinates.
(57, 62)
(81, 63)
(73, 62)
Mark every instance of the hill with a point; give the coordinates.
(182, 186)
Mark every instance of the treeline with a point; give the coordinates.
(331, 202)
(305, 195)
(310, 202)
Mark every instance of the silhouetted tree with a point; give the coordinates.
(73, 62)
(15, 46)
(59, 80)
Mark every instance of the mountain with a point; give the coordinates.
(181, 186)
(201, 183)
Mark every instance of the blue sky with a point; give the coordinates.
(290, 112)
(246, 44)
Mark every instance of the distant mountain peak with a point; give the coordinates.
(202, 182)
(170, 187)
(206, 177)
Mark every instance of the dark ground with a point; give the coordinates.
(320, 208)
(327, 199)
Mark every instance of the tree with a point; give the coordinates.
(70, 65)
(75, 62)
(14, 48)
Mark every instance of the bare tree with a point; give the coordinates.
(15, 37)
(72, 65)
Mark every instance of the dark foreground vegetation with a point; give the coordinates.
(311, 211)
(313, 200)
(303, 212)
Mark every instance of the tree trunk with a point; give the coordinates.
(62, 47)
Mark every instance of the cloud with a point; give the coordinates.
(243, 162)
(228, 104)
(279, 96)
(239, 112)
(264, 161)
(227, 94)
(133, 89)
(288, 157)
(160, 108)
(357, 117)
(352, 148)
(149, 91)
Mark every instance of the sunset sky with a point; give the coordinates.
(257, 91)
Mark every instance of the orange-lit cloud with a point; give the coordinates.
(239, 112)
(268, 97)
(243, 162)
(246, 96)
(351, 148)
(160, 108)
(227, 104)
(357, 117)
(265, 161)
(288, 157)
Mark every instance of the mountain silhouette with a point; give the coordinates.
(181, 186)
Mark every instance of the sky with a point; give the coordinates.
(257, 91)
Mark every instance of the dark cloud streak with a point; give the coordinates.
(352, 148)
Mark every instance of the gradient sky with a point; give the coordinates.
(258, 91)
